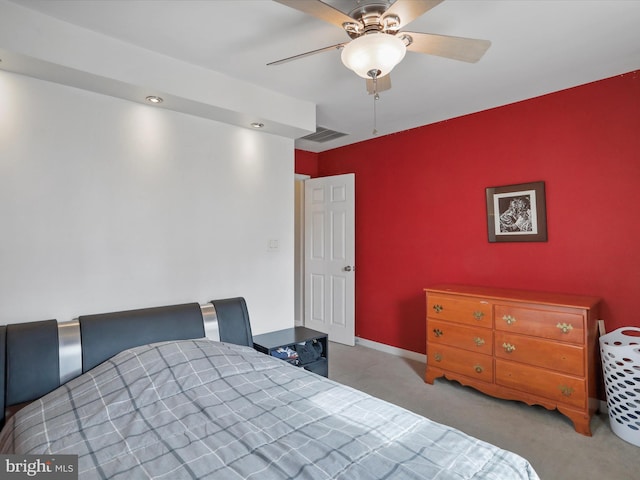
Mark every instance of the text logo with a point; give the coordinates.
(51, 467)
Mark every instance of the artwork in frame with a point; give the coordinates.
(517, 213)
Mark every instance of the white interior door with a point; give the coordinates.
(329, 273)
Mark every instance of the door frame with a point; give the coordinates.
(298, 278)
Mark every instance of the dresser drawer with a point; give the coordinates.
(556, 325)
(562, 357)
(552, 385)
(461, 310)
(474, 365)
(474, 339)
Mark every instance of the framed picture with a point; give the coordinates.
(517, 213)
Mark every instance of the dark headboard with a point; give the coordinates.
(38, 357)
(106, 334)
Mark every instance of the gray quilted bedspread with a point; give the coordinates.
(202, 409)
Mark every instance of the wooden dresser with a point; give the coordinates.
(539, 348)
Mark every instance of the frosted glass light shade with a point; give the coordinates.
(375, 51)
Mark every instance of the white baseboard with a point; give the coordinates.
(399, 352)
(603, 407)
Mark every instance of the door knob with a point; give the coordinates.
(349, 268)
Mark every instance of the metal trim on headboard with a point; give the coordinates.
(70, 350)
(210, 320)
(70, 341)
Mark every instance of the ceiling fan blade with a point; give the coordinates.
(320, 10)
(409, 10)
(457, 48)
(383, 83)
(337, 46)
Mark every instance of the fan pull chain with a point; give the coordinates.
(376, 97)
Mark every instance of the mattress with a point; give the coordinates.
(203, 409)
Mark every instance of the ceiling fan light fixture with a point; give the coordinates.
(374, 51)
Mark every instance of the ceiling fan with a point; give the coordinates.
(377, 45)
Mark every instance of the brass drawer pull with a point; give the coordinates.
(478, 369)
(438, 308)
(478, 315)
(509, 319)
(566, 390)
(438, 357)
(508, 347)
(565, 327)
(479, 341)
(437, 332)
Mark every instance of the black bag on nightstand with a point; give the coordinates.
(309, 352)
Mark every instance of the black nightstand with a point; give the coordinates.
(302, 338)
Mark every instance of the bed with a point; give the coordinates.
(178, 392)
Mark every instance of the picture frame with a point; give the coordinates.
(517, 213)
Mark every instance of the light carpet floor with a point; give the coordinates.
(545, 438)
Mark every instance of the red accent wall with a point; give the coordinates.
(421, 214)
(306, 163)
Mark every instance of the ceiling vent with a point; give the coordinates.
(323, 135)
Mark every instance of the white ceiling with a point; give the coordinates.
(538, 47)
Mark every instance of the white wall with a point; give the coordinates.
(107, 204)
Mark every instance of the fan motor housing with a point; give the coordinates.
(370, 19)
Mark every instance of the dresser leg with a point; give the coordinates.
(430, 375)
(581, 421)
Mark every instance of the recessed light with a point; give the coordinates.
(257, 125)
(154, 99)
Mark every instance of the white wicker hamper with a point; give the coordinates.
(620, 352)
